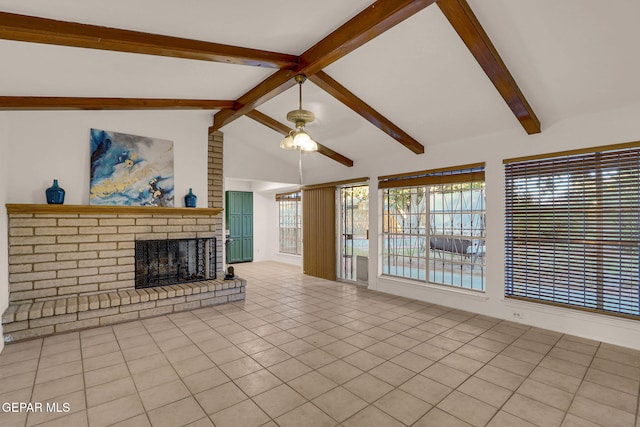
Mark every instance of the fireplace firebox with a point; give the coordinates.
(174, 261)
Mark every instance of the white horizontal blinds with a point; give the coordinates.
(573, 230)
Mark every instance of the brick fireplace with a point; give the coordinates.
(74, 267)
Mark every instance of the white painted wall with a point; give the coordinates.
(263, 221)
(271, 219)
(48, 145)
(608, 127)
(4, 260)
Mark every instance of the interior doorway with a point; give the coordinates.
(353, 233)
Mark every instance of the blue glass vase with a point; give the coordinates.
(190, 200)
(55, 194)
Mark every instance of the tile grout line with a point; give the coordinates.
(286, 383)
(319, 373)
(573, 398)
(53, 366)
(83, 372)
(416, 374)
(233, 381)
(514, 392)
(471, 375)
(224, 373)
(84, 383)
(126, 363)
(484, 364)
(35, 377)
(172, 367)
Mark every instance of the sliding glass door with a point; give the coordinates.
(353, 233)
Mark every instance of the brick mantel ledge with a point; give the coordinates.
(107, 210)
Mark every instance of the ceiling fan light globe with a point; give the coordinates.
(304, 142)
(311, 146)
(287, 143)
(301, 140)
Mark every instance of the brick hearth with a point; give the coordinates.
(29, 320)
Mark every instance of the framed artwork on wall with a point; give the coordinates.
(130, 170)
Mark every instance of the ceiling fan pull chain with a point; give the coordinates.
(300, 166)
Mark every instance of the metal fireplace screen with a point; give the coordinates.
(168, 262)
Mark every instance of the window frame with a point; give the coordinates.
(593, 183)
(294, 201)
(452, 246)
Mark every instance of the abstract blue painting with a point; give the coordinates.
(130, 170)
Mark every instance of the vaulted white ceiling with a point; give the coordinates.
(569, 57)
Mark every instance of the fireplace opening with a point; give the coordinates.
(174, 261)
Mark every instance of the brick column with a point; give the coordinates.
(215, 170)
(215, 185)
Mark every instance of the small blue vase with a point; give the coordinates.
(55, 194)
(190, 200)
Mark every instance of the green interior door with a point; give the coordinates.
(239, 217)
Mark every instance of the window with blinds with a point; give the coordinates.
(573, 229)
(434, 226)
(290, 223)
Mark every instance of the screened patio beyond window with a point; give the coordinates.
(434, 230)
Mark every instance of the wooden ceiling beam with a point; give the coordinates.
(473, 35)
(68, 103)
(272, 86)
(348, 98)
(269, 122)
(49, 31)
(365, 26)
(283, 129)
(377, 18)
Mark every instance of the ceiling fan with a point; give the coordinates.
(299, 138)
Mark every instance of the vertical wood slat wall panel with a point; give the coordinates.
(319, 231)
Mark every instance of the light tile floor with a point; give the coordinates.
(302, 351)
